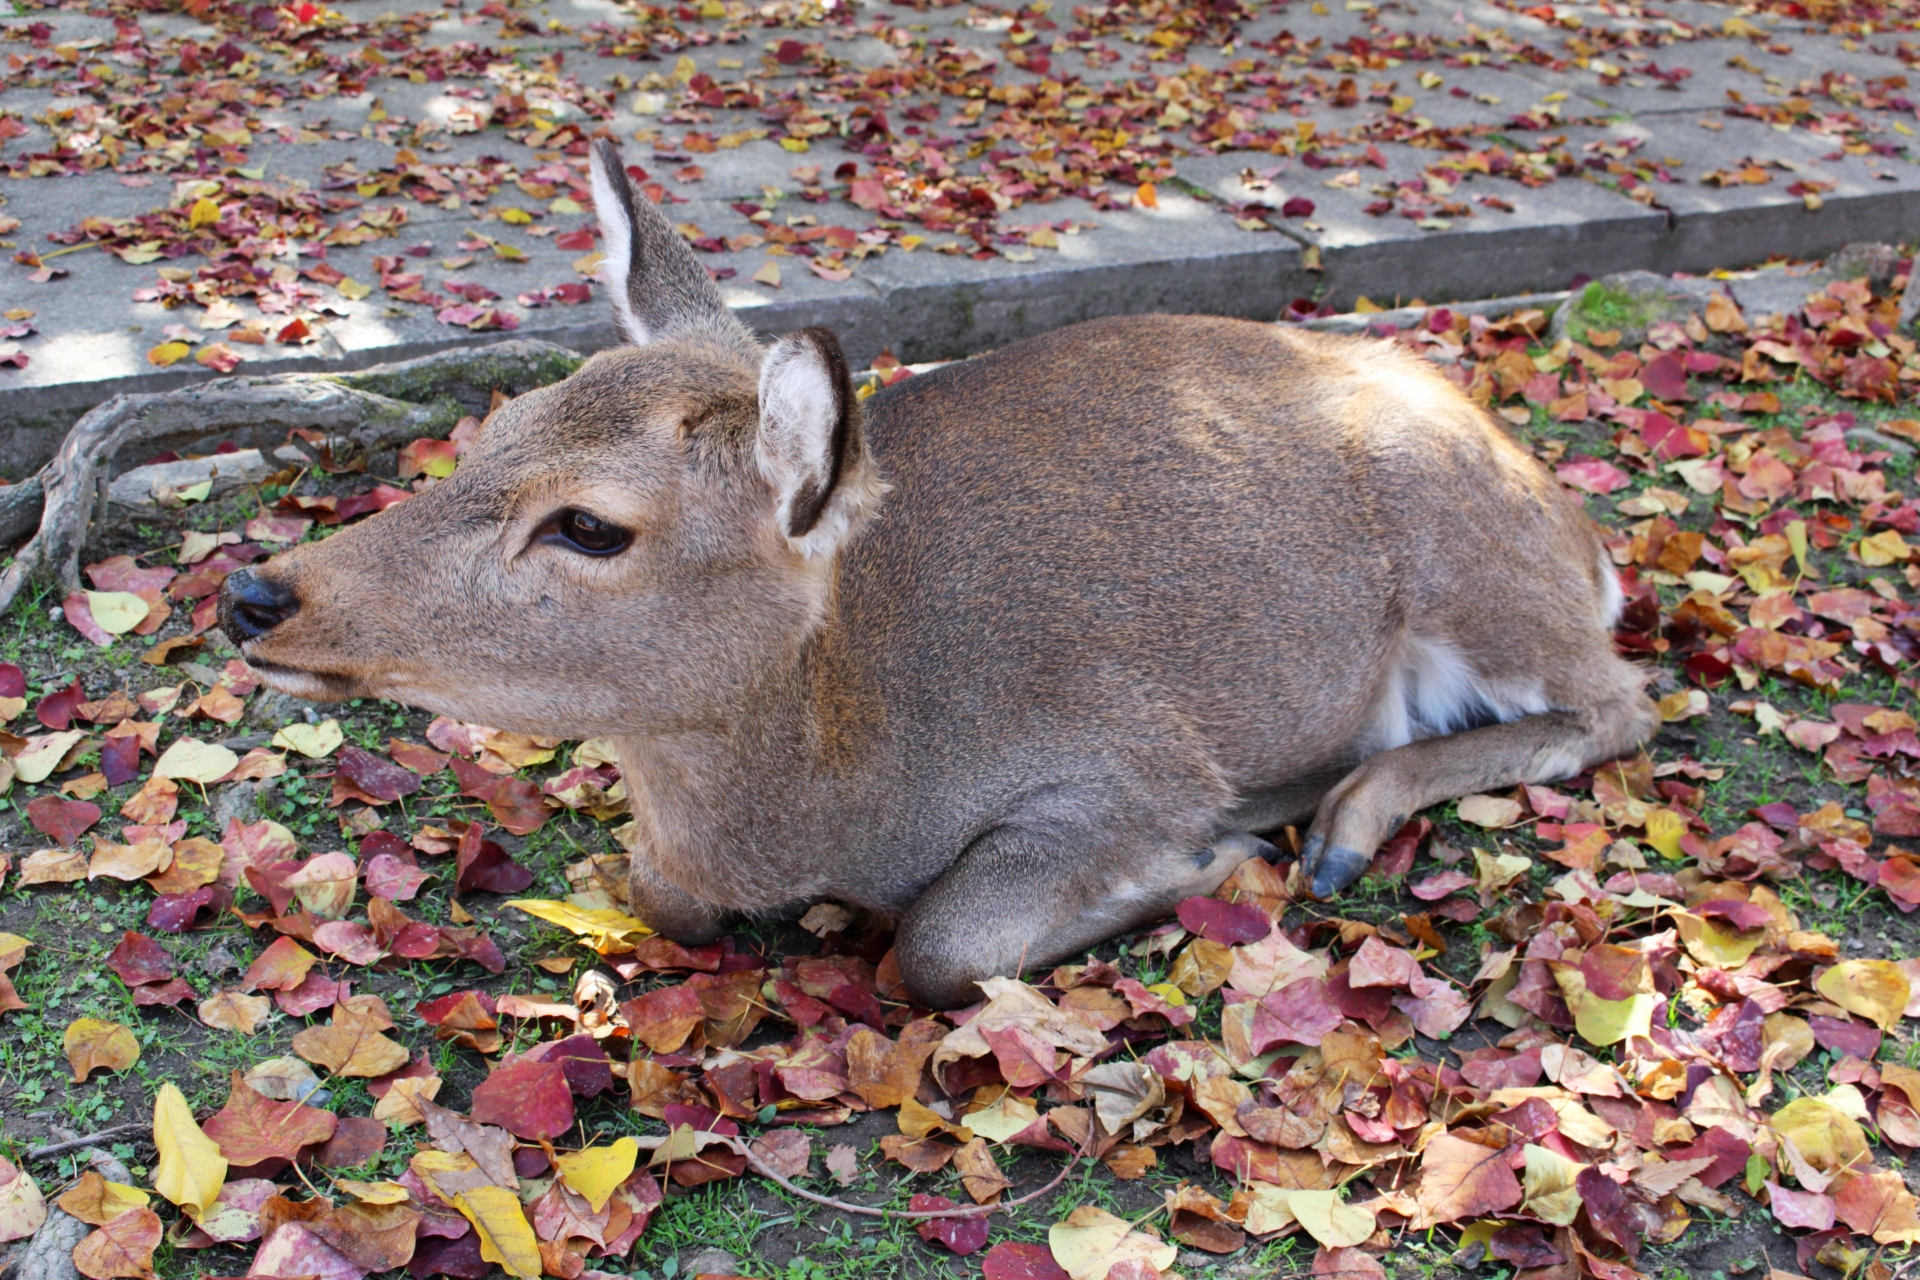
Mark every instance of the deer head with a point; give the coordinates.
(629, 551)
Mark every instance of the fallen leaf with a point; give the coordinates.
(1461, 1179)
(191, 1167)
(596, 1171)
(1330, 1220)
(96, 1201)
(505, 1235)
(235, 1011)
(91, 1044)
(121, 1248)
(1092, 1242)
(22, 1209)
(1877, 990)
(351, 1045)
(252, 1128)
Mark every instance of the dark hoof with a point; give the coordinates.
(1331, 868)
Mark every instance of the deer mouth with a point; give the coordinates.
(299, 682)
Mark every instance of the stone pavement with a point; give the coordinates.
(1407, 149)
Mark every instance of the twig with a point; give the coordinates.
(92, 1139)
(766, 1171)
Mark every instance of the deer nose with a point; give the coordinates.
(251, 606)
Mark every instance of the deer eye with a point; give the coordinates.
(586, 533)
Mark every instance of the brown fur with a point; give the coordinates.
(1138, 585)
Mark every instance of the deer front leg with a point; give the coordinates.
(671, 910)
(1370, 803)
(1020, 899)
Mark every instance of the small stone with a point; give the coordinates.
(715, 1262)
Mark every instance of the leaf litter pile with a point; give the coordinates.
(1574, 1019)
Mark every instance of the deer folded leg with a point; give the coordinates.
(671, 910)
(1370, 803)
(1019, 899)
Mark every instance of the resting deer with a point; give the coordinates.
(1020, 652)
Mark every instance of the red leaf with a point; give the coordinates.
(1439, 885)
(1591, 475)
(485, 865)
(521, 807)
(527, 1098)
(961, 1235)
(585, 1063)
(1665, 378)
(381, 779)
(390, 878)
(56, 710)
(1299, 1013)
(1010, 1261)
(139, 959)
(177, 912)
(162, 993)
(1228, 923)
(61, 821)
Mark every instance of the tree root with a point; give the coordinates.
(742, 1148)
(372, 409)
(92, 1139)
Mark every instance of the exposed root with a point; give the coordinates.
(742, 1148)
(372, 409)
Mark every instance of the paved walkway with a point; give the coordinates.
(936, 180)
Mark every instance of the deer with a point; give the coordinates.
(1016, 654)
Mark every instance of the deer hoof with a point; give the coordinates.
(1331, 868)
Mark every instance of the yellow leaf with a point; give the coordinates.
(311, 740)
(373, 1192)
(516, 217)
(607, 931)
(1825, 1137)
(1886, 547)
(91, 1044)
(96, 1202)
(1664, 826)
(353, 290)
(685, 69)
(595, 1172)
(1549, 1180)
(1009, 1115)
(768, 274)
(506, 1237)
(203, 212)
(1602, 1021)
(117, 612)
(167, 353)
(565, 205)
(195, 761)
(1330, 1220)
(192, 1170)
(1711, 944)
(1877, 990)
(1092, 1242)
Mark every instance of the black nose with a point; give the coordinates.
(251, 606)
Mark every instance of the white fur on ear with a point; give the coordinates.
(613, 203)
(809, 446)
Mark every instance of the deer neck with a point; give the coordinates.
(739, 809)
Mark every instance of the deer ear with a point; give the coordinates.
(659, 288)
(811, 448)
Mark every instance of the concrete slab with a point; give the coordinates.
(1429, 85)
